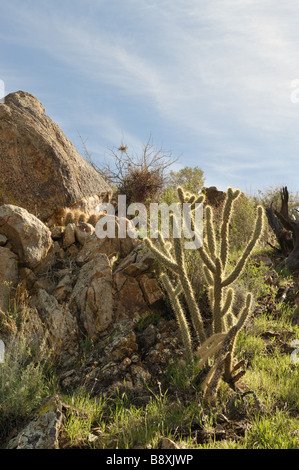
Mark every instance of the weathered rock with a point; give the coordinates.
(62, 325)
(83, 232)
(109, 246)
(28, 276)
(139, 260)
(69, 235)
(148, 337)
(118, 280)
(64, 288)
(3, 239)
(140, 375)
(41, 170)
(129, 303)
(122, 343)
(135, 286)
(8, 275)
(166, 443)
(46, 283)
(123, 242)
(73, 251)
(57, 232)
(43, 431)
(150, 289)
(30, 238)
(92, 295)
(128, 358)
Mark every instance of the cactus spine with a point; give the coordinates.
(214, 254)
(93, 218)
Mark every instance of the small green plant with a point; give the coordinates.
(275, 432)
(82, 413)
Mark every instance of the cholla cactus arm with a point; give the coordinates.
(245, 312)
(168, 261)
(217, 294)
(208, 276)
(212, 381)
(210, 232)
(235, 330)
(200, 199)
(188, 290)
(243, 260)
(210, 347)
(228, 301)
(226, 216)
(206, 259)
(181, 194)
(229, 320)
(180, 316)
(164, 246)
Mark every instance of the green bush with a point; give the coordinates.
(191, 179)
(242, 221)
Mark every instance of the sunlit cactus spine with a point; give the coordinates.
(214, 252)
(93, 219)
(82, 217)
(69, 218)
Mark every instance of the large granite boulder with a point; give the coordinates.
(41, 170)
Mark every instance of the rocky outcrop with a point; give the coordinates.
(75, 279)
(41, 170)
(78, 287)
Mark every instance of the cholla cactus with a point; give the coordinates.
(69, 218)
(214, 254)
(93, 219)
(74, 216)
(82, 217)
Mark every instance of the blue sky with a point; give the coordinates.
(210, 81)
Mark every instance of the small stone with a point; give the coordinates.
(150, 289)
(69, 235)
(83, 232)
(148, 337)
(57, 232)
(219, 430)
(73, 250)
(126, 362)
(167, 443)
(92, 437)
(3, 239)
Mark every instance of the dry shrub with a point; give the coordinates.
(142, 184)
(140, 177)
